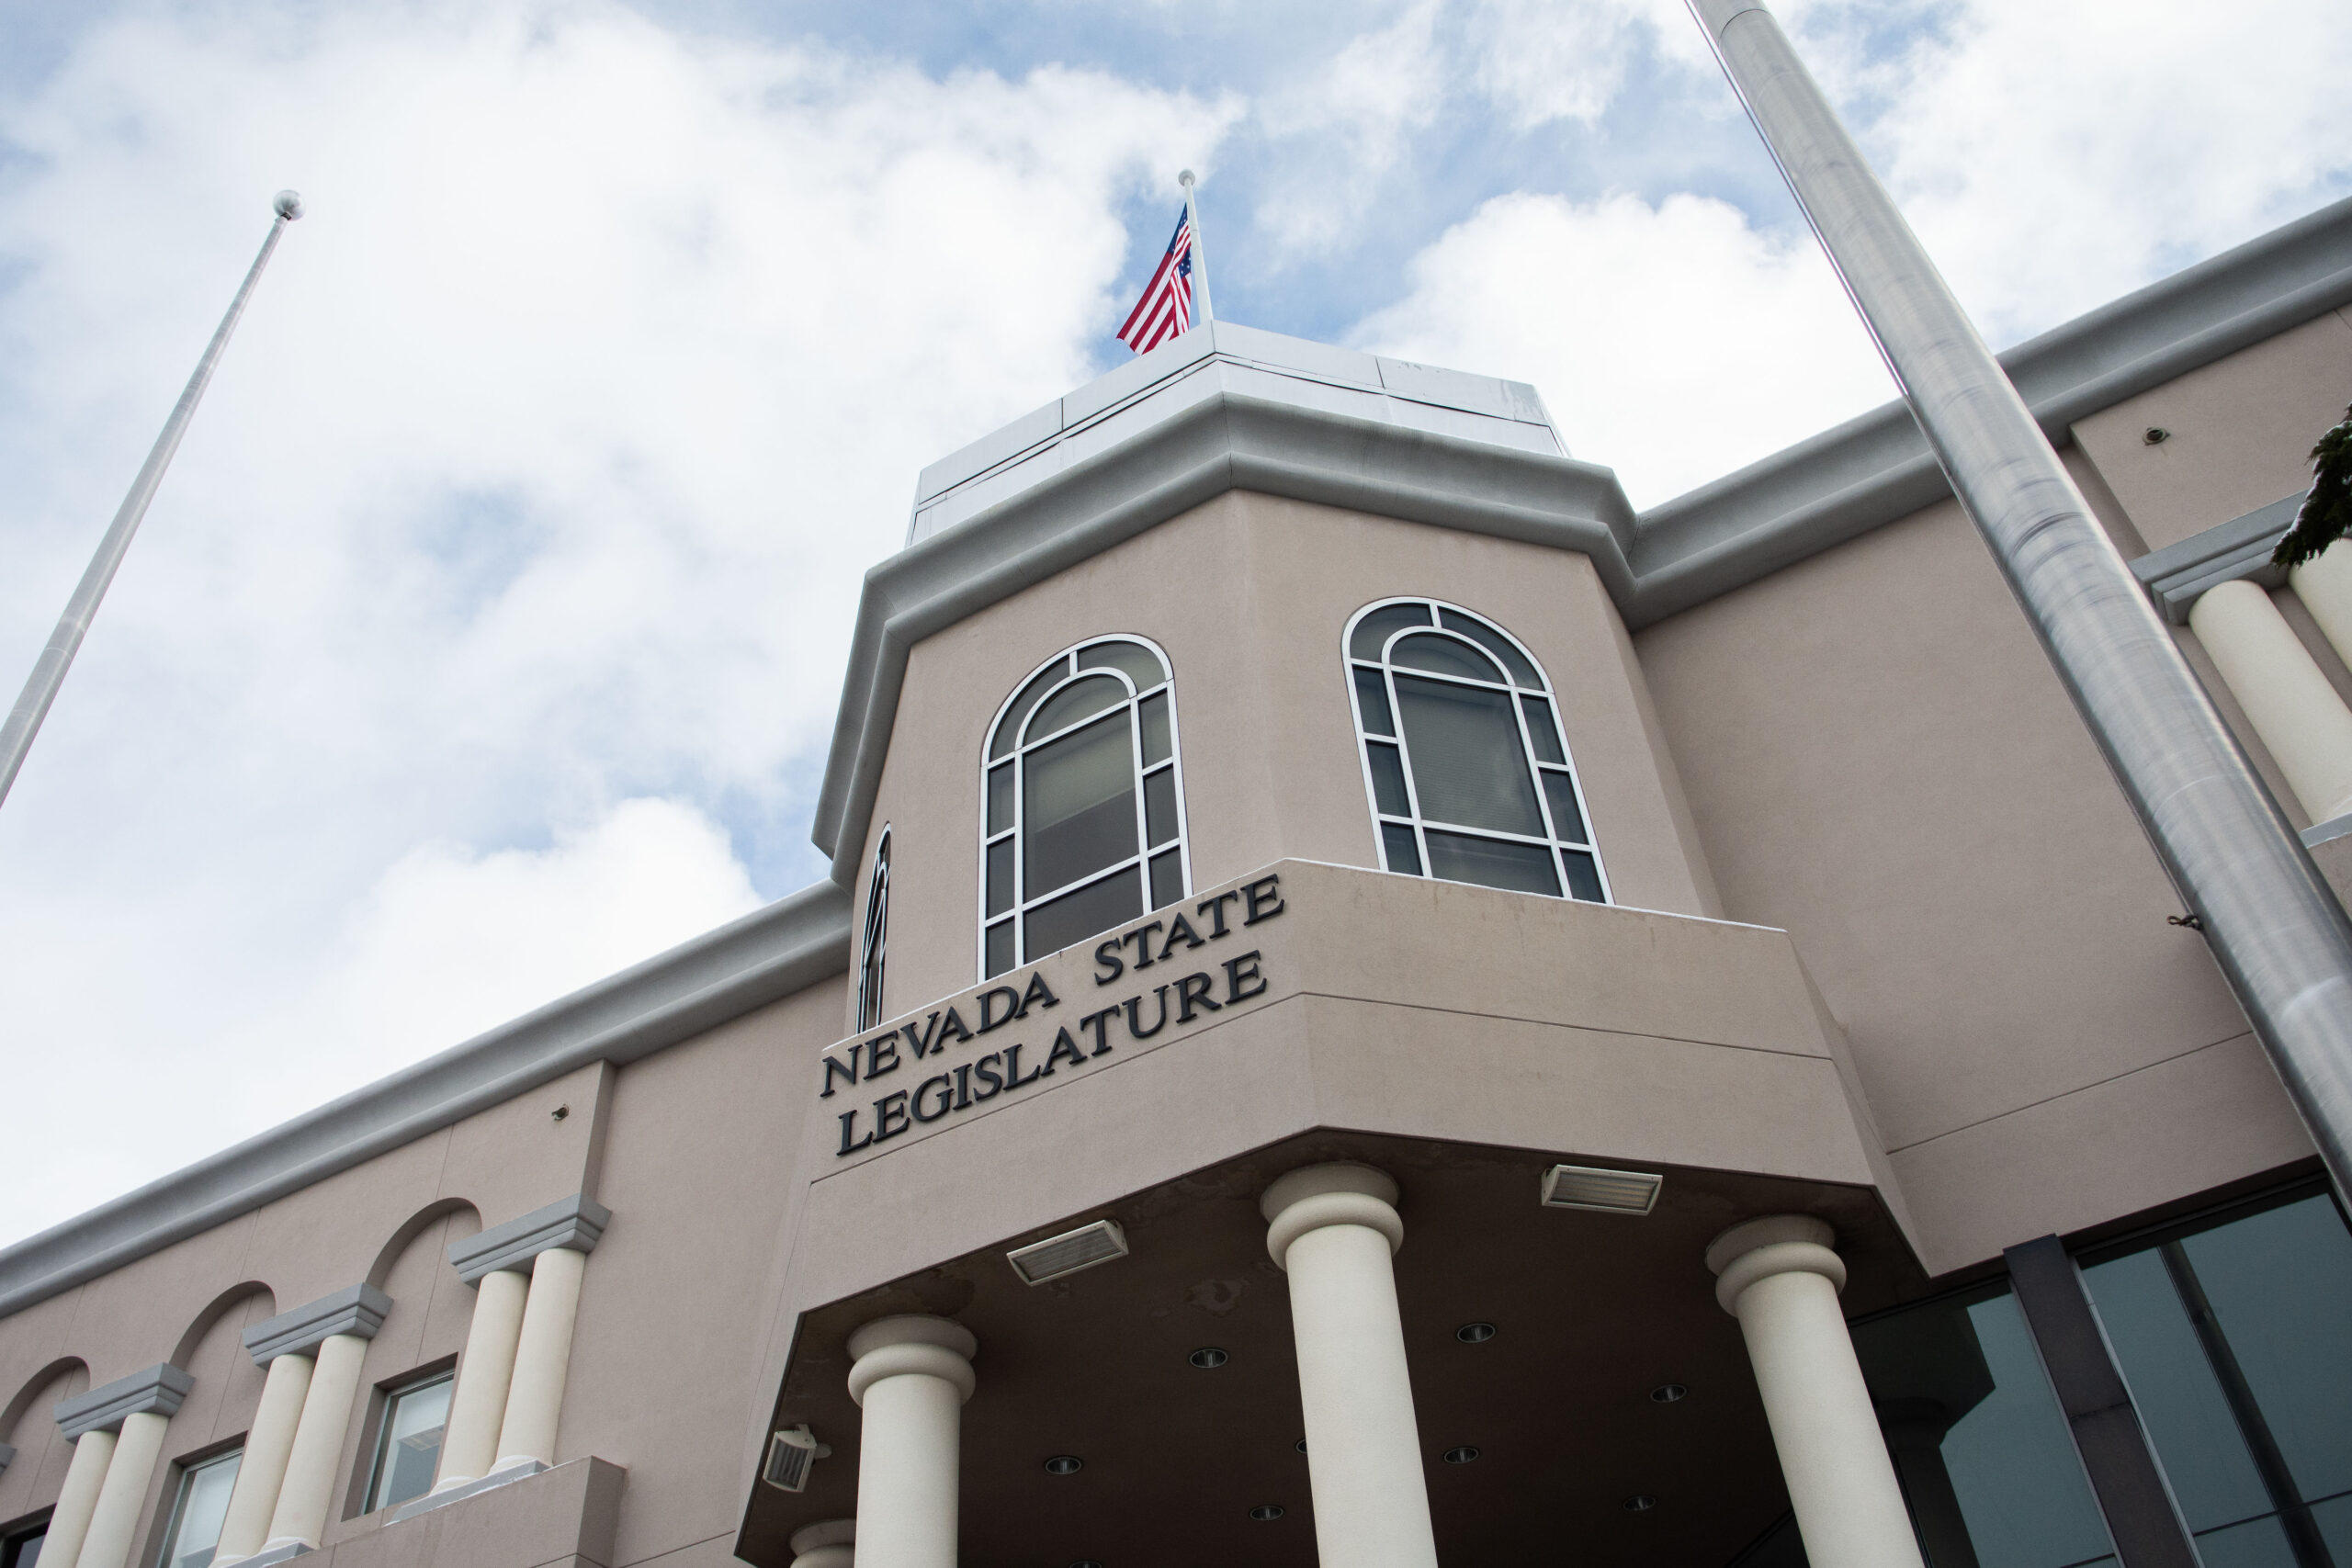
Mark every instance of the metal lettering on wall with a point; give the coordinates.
(1170, 939)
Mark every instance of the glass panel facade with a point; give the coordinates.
(1491, 862)
(1404, 854)
(1468, 766)
(1986, 1462)
(1074, 917)
(198, 1513)
(408, 1447)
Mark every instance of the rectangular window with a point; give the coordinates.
(1000, 944)
(1167, 878)
(999, 876)
(1404, 855)
(1560, 793)
(1000, 798)
(408, 1441)
(1371, 696)
(1159, 742)
(197, 1511)
(1584, 876)
(1492, 862)
(1160, 808)
(1541, 731)
(1387, 779)
(1076, 915)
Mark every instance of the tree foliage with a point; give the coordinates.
(2325, 515)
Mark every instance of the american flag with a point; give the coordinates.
(1166, 308)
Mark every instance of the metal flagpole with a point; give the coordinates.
(2280, 935)
(49, 670)
(1200, 251)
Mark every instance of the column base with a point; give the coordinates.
(275, 1551)
(514, 1470)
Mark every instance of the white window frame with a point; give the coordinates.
(1536, 766)
(874, 950)
(381, 1449)
(1025, 901)
(184, 1489)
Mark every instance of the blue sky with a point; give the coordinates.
(486, 635)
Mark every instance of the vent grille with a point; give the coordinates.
(1069, 1252)
(792, 1453)
(1604, 1192)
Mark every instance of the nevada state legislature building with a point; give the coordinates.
(1374, 1007)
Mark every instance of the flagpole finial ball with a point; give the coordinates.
(1184, 178)
(289, 205)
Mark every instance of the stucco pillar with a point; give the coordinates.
(542, 1355)
(1333, 1228)
(269, 1443)
(2291, 703)
(2325, 585)
(1778, 1277)
(478, 1405)
(69, 1522)
(307, 1491)
(115, 1521)
(910, 1376)
(832, 1544)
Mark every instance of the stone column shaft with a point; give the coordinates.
(69, 1522)
(542, 1356)
(478, 1405)
(269, 1443)
(2291, 703)
(115, 1522)
(307, 1494)
(1333, 1229)
(1778, 1277)
(910, 1377)
(2325, 585)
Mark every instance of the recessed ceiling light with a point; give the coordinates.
(1462, 1455)
(1475, 1333)
(1640, 1503)
(1667, 1393)
(1265, 1511)
(1064, 1464)
(1207, 1357)
(1058, 1255)
(1604, 1192)
(1086, 1562)
(1302, 1445)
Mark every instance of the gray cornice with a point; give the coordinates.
(159, 1388)
(358, 1309)
(769, 954)
(2243, 546)
(577, 1222)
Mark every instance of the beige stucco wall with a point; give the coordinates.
(1249, 594)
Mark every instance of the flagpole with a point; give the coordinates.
(49, 670)
(2276, 929)
(1200, 250)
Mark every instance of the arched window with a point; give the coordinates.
(1464, 761)
(878, 937)
(1082, 810)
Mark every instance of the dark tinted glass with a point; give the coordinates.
(1008, 730)
(999, 876)
(1404, 854)
(23, 1550)
(1387, 779)
(1468, 766)
(1541, 732)
(1000, 797)
(1444, 656)
(1372, 701)
(1079, 794)
(1568, 822)
(1160, 808)
(1492, 862)
(1167, 878)
(1000, 944)
(1983, 1450)
(1584, 876)
(1157, 745)
(1521, 672)
(1141, 665)
(1075, 916)
(1372, 632)
(1080, 699)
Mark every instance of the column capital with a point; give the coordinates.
(1777, 1244)
(159, 1388)
(576, 1222)
(1341, 1194)
(357, 1310)
(912, 1342)
(831, 1544)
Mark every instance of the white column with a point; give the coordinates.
(2301, 719)
(269, 1443)
(832, 1544)
(542, 1354)
(477, 1405)
(2325, 585)
(316, 1453)
(910, 1376)
(115, 1521)
(1333, 1228)
(69, 1522)
(1778, 1277)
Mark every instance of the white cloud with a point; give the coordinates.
(1672, 344)
(1540, 61)
(1343, 123)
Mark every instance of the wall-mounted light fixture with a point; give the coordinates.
(792, 1453)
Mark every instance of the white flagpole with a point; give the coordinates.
(1200, 251)
(49, 670)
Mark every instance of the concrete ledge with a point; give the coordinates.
(159, 1388)
(475, 1488)
(576, 1221)
(2240, 548)
(518, 1520)
(359, 1310)
(2327, 832)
